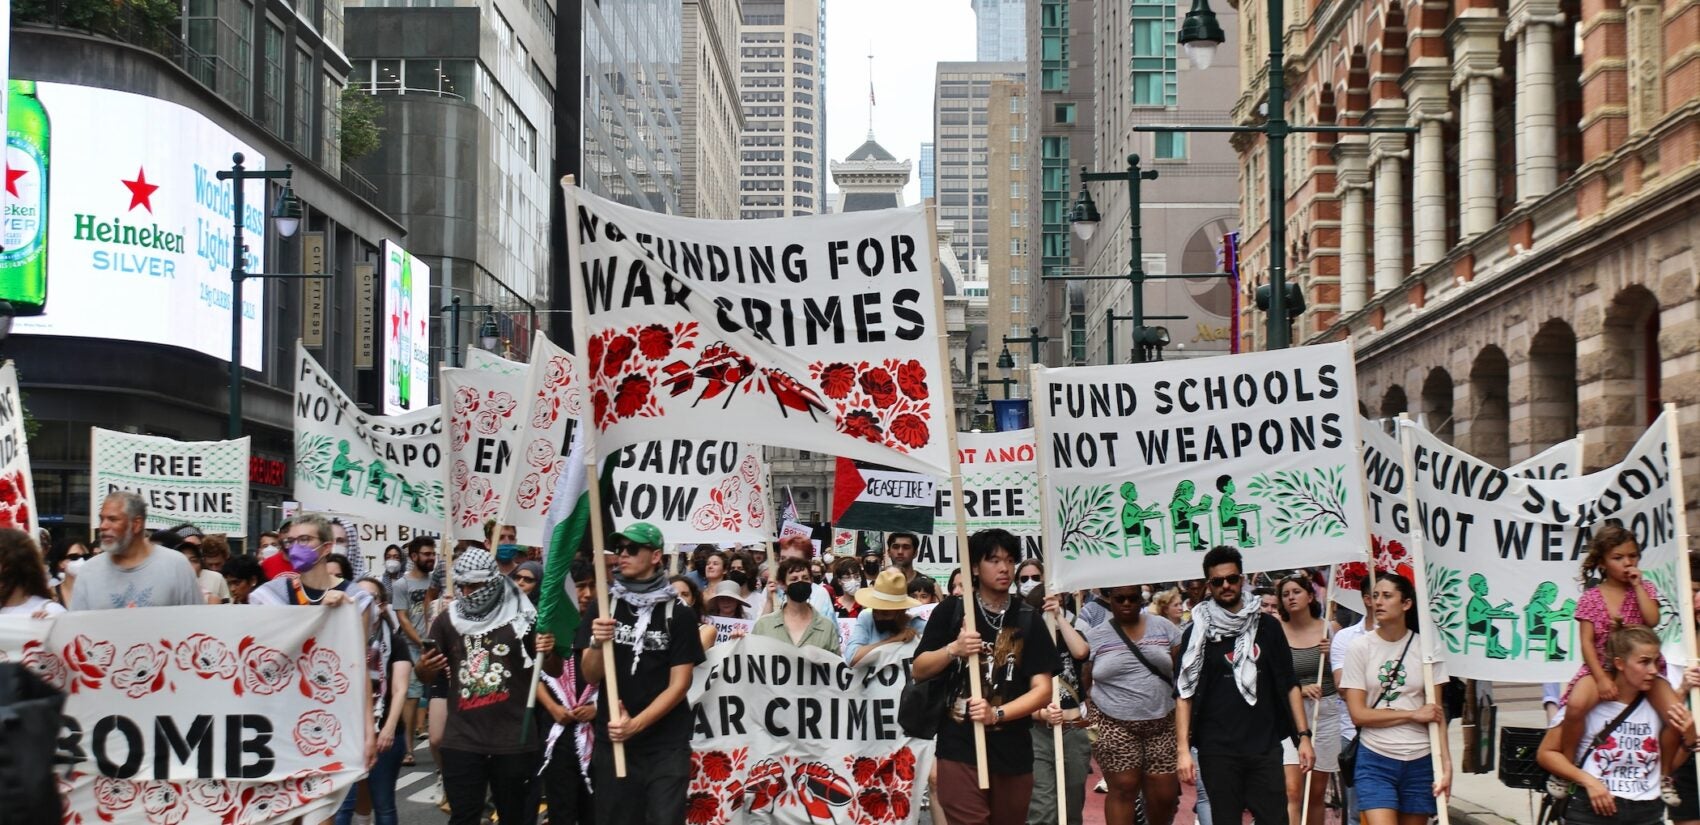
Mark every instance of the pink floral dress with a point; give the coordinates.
(1592, 608)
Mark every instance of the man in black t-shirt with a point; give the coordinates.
(656, 645)
(1239, 697)
(1016, 667)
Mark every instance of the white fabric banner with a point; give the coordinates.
(479, 443)
(1504, 553)
(1150, 465)
(201, 482)
(181, 716)
(1561, 460)
(1000, 484)
(384, 469)
(694, 491)
(484, 360)
(794, 736)
(17, 485)
(549, 417)
(819, 333)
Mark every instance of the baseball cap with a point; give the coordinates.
(643, 534)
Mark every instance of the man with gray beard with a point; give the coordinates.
(131, 571)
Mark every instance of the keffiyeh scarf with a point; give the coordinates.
(642, 597)
(1212, 622)
(497, 603)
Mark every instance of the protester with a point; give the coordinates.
(1133, 707)
(873, 561)
(1016, 680)
(1687, 810)
(1307, 635)
(954, 584)
(395, 564)
(341, 565)
(389, 669)
(486, 643)
(1337, 651)
(1029, 576)
(710, 567)
(740, 570)
(131, 571)
(1096, 609)
(272, 559)
(1267, 601)
(1167, 604)
(23, 578)
(1239, 698)
(568, 703)
(1072, 657)
(802, 549)
(691, 597)
(242, 574)
(64, 563)
(529, 577)
(192, 553)
(847, 577)
(1384, 686)
(408, 595)
(656, 646)
(215, 551)
(798, 623)
(726, 602)
(900, 549)
(924, 590)
(885, 619)
(346, 538)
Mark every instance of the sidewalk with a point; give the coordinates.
(1479, 799)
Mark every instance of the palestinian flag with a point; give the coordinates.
(568, 527)
(870, 497)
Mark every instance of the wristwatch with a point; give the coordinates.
(997, 715)
(1303, 734)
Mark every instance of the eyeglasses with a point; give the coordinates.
(1230, 579)
(1025, 579)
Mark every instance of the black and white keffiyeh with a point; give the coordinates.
(642, 596)
(497, 603)
(1213, 622)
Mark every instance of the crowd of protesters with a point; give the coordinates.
(1247, 691)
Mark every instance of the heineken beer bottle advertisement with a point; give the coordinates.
(407, 331)
(116, 224)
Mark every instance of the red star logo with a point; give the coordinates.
(395, 325)
(140, 190)
(12, 176)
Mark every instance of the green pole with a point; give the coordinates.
(1110, 335)
(1136, 243)
(1280, 326)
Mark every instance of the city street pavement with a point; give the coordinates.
(1480, 799)
(416, 791)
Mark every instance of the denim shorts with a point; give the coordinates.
(1384, 782)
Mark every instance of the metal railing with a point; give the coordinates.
(358, 184)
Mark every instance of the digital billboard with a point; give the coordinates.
(138, 241)
(407, 331)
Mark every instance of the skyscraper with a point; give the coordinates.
(926, 170)
(1000, 30)
(960, 95)
(1008, 274)
(1059, 91)
(713, 117)
(779, 73)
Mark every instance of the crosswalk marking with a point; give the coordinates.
(427, 795)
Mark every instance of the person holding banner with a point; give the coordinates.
(130, 570)
(1385, 693)
(1018, 662)
(1239, 697)
(885, 616)
(798, 623)
(656, 647)
(1131, 674)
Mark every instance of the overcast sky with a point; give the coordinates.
(908, 39)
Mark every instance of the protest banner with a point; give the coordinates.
(174, 717)
(204, 483)
(1000, 484)
(819, 333)
(483, 360)
(694, 491)
(794, 736)
(937, 554)
(844, 543)
(1561, 460)
(870, 497)
(17, 485)
(725, 628)
(479, 443)
(549, 416)
(1503, 553)
(1149, 465)
(382, 468)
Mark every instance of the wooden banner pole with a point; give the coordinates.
(1425, 622)
(1321, 673)
(1684, 579)
(1038, 417)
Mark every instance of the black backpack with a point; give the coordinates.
(30, 721)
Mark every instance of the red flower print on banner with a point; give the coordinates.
(88, 660)
(903, 762)
(656, 342)
(265, 671)
(205, 657)
(318, 732)
(749, 469)
(893, 413)
(875, 804)
(113, 795)
(8, 490)
(14, 507)
(619, 349)
(142, 671)
(309, 785)
(48, 667)
(263, 803)
(599, 407)
(495, 409)
(164, 803)
(593, 355)
(718, 786)
(558, 373)
(322, 679)
(529, 488)
(1390, 556)
(540, 453)
(211, 795)
(717, 766)
(632, 396)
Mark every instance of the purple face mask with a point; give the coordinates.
(303, 556)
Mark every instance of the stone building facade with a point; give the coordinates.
(1009, 273)
(711, 116)
(1522, 269)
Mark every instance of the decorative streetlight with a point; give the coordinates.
(488, 334)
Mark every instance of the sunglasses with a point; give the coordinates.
(1126, 598)
(1230, 579)
(1025, 579)
(74, 556)
(531, 579)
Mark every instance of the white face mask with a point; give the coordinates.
(1026, 587)
(74, 566)
(268, 551)
(850, 586)
(392, 566)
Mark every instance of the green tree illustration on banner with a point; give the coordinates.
(1087, 517)
(313, 455)
(1446, 604)
(1305, 503)
(1664, 579)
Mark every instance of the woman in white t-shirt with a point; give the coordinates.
(1620, 773)
(1384, 688)
(23, 578)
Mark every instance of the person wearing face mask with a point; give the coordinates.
(885, 616)
(272, 559)
(847, 577)
(798, 623)
(345, 535)
(1028, 577)
(394, 564)
(800, 549)
(408, 593)
(132, 571)
(872, 563)
(508, 559)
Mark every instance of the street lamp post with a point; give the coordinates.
(1033, 340)
(1200, 35)
(286, 217)
(488, 335)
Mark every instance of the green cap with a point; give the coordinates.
(643, 534)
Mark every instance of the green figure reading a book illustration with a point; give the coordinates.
(342, 468)
(1232, 513)
(1479, 615)
(410, 495)
(1541, 619)
(1184, 513)
(377, 481)
(1134, 518)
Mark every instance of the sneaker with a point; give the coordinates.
(1103, 786)
(1668, 791)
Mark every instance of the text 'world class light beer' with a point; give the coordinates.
(23, 206)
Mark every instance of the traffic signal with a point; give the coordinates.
(1295, 299)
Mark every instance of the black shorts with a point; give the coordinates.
(438, 689)
(1685, 785)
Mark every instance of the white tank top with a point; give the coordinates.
(1628, 761)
